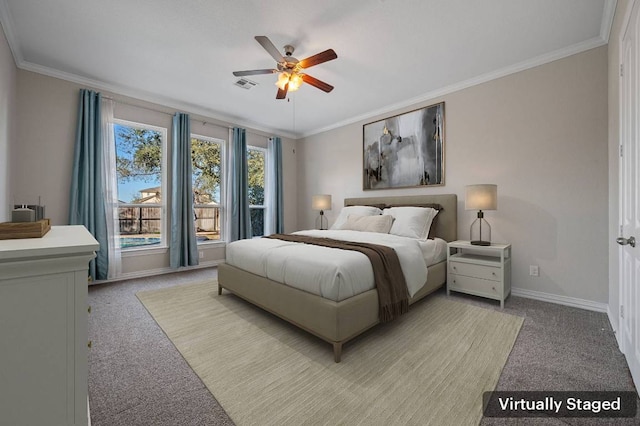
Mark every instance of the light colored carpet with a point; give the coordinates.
(431, 366)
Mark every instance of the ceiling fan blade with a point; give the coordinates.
(254, 72)
(319, 58)
(317, 83)
(269, 47)
(283, 93)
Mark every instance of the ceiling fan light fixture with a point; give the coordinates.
(292, 78)
(294, 82)
(283, 79)
(289, 69)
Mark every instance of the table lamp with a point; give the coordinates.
(321, 202)
(481, 197)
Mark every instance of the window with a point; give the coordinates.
(256, 185)
(139, 168)
(206, 165)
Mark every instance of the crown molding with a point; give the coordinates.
(21, 63)
(607, 19)
(608, 15)
(430, 96)
(152, 98)
(7, 26)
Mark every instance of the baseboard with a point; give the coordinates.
(561, 300)
(614, 325)
(159, 271)
(521, 292)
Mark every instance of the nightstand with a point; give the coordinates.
(479, 270)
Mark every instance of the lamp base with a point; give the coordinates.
(480, 231)
(321, 222)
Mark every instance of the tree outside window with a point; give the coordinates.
(139, 154)
(206, 165)
(256, 186)
(139, 170)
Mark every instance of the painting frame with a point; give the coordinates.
(405, 150)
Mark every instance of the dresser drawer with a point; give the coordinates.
(475, 286)
(477, 271)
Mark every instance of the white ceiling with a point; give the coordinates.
(391, 53)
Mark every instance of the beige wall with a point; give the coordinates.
(8, 79)
(614, 142)
(42, 158)
(541, 136)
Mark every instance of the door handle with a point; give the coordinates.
(624, 241)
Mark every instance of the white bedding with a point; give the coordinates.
(332, 273)
(433, 251)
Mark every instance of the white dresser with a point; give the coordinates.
(43, 328)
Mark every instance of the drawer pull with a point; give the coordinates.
(90, 344)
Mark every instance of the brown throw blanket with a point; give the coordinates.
(393, 297)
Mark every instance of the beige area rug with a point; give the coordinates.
(430, 366)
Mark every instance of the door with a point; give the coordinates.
(630, 195)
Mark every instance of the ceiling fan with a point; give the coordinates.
(290, 70)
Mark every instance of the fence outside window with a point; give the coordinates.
(141, 224)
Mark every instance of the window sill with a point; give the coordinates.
(211, 244)
(150, 251)
(135, 252)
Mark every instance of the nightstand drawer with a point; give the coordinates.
(476, 286)
(476, 271)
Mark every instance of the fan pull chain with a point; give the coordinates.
(294, 115)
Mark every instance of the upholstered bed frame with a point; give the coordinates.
(339, 322)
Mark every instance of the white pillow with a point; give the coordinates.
(359, 210)
(412, 222)
(378, 223)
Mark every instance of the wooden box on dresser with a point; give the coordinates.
(43, 328)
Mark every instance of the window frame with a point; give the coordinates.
(264, 206)
(223, 193)
(164, 223)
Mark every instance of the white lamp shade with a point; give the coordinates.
(321, 202)
(481, 197)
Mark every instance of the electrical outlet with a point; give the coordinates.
(201, 254)
(534, 271)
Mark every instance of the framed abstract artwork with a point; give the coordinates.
(404, 151)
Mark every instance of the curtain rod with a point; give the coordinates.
(204, 123)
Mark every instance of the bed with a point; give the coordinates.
(337, 322)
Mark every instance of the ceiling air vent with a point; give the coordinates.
(245, 84)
